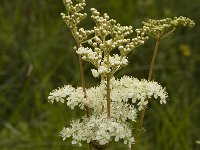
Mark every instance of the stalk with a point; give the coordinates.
(95, 146)
(83, 79)
(141, 120)
(108, 88)
(108, 96)
(153, 59)
(74, 30)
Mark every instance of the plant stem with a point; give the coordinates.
(167, 34)
(96, 146)
(153, 59)
(83, 79)
(90, 146)
(141, 120)
(108, 88)
(108, 96)
(74, 30)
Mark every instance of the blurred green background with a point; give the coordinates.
(36, 56)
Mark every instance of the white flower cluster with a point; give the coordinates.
(125, 91)
(98, 130)
(109, 35)
(74, 17)
(157, 28)
(60, 94)
(128, 96)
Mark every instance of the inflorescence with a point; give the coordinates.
(159, 28)
(127, 95)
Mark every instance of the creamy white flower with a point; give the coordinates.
(60, 94)
(95, 73)
(125, 93)
(84, 51)
(99, 129)
(103, 69)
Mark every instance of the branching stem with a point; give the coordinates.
(141, 119)
(169, 33)
(153, 59)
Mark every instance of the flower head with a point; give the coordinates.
(109, 35)
(125, 93)
(99, 130)
(158, 28)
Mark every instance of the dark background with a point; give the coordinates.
(36, 56)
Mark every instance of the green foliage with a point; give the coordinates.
(36, 56)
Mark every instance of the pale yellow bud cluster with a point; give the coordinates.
(109, 35)
(74, 8)
(160, 28)
(74, 17)
(106, 26)
(183, 21)
(133, 43)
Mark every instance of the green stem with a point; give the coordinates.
(141, 120)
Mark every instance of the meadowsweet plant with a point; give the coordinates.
(113, 106)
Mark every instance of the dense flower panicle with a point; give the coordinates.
(157, 28)
(124, 93)
(98, 129)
